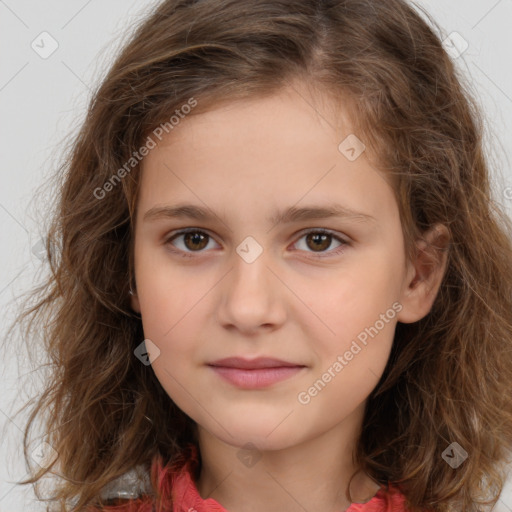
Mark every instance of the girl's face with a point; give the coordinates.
(248, 285)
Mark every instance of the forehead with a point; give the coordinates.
(282, 148)
(279, 111)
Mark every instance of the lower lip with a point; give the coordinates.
(258, 378)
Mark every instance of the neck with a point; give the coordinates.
(311, 475)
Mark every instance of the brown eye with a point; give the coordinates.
(192, 240)
(195, 240)
(318, 241)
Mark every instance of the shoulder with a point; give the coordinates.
(134, 491)
(131, 492)
(132, 485)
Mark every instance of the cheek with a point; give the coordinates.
(169, 308)
(169, 294)
(352, 354)
(177, 360)
(342, 305)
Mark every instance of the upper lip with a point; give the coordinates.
(247, 364)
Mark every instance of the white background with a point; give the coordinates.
(42, 103)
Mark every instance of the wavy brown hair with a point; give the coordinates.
(449, 375)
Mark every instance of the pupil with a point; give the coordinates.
(321, 238)
(195, 238)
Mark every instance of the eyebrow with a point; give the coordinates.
(287, 216)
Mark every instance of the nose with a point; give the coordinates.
(251, 296)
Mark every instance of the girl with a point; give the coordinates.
(279, 279)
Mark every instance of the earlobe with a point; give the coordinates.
(134, 301)
(425, 275)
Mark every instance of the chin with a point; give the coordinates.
(262, 437)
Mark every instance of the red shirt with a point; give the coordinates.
(179, 483)
(188, 499)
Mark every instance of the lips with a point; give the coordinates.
(253, 364)
(258, 373)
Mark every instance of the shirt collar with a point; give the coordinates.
(179, 481)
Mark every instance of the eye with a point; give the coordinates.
(195, 240)
(321, 239)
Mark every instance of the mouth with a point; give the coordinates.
(256, 373)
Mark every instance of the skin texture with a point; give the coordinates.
(298, 300)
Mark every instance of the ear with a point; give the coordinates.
(425, 274)
(134, 301)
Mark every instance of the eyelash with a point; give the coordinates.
(190, 254)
